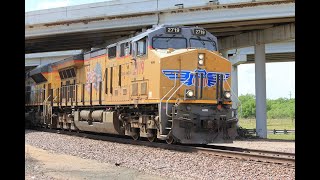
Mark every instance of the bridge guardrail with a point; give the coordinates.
(273, 131)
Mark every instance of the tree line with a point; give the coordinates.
(280, 108)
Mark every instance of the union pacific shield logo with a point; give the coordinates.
(209, 78)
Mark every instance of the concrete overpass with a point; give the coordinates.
(248, 31)
(89, 25)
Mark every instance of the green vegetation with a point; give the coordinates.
(278, 124)
(290, 136)
(280, 115)
(276, 109)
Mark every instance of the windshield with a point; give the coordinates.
(201, 43)
(169, 42)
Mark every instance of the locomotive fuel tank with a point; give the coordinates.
(99, 121)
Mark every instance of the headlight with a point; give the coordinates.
(201, 59)
(227, 94)
(201, 56)
(190, 93)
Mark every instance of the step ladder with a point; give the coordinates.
(169, 124)
(46, 112)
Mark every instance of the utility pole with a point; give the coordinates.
(290, 94)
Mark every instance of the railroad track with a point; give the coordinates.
(261, 156)
(282, 158)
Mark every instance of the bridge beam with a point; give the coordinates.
(275, 34)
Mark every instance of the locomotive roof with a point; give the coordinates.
(139, 36)
(135, 38)
(48, 67)
(149, 31)
(39, 69)
(75, 57)
(142, 35)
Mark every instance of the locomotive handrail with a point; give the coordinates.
(68, 88)
(47, 99)
(176, 91)
(175, 80)
(44, 110)
(53, 93)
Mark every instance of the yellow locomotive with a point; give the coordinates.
(167, 83)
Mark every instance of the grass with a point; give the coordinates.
(290, 136)
(278, 124)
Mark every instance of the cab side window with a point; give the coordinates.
(124, 49)
(112, 52)
(127, 49)
(142, 47)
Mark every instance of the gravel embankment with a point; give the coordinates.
(180, 165)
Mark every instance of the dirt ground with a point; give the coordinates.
(42, 164)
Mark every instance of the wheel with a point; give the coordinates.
(153, 136)
(69, 127)
(135, 136)
(135, 133)
(170, 138)
(152, 139)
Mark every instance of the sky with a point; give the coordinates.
(280, 77)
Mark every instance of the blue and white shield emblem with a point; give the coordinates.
(209, 78)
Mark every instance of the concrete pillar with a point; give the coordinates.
(224, 54)
(260, 82)
(234, 85)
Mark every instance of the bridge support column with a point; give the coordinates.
(234, 85)
(235, 59)
(224, 54)
(234, 80)
(260, 83)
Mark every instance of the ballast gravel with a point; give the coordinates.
(157, 161)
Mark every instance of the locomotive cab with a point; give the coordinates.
(192, 85)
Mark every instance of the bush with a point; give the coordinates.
(276, 109)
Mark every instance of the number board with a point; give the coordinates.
(173, 30)
(199, 32)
